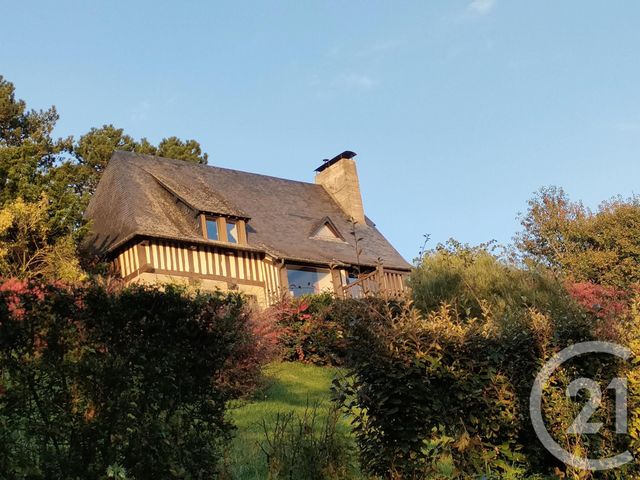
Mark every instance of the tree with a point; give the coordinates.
(35, 166)
(601, 247)
(27, 248)
(27, 149)
(31, 163)
(188, 150)
(93, 151)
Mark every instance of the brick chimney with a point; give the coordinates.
(339, 177)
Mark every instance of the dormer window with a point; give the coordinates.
(326, 233)
(224, 229)
(326, 230)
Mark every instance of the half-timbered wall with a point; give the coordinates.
(201, 262)
(127, 261)
(204, 261)
(253, 272)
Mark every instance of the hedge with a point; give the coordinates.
(443, 391)
(127, 383)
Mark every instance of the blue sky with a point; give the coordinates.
(458, 110)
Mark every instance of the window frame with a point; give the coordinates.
(227, 224)
(325, 274)
(222, 223)
(327, 223)
(206, 223)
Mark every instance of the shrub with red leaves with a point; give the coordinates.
(13, 289)
(257, 346)
(308, 330)
(609, 305)
(602, 301)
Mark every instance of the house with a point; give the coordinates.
(163, 220)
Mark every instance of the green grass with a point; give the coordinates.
(292, 386)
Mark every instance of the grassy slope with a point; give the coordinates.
(293, 386)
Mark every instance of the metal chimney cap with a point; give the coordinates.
(348, 154)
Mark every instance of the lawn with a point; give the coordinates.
(292, 386)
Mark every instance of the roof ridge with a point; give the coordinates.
(215, 167)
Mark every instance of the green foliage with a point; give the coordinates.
(442, 390)
(308, 331)
(30, 159)
(25, 244)
(188, 150)
(308, 446)
(124, 384)
(117, 472)
(291, 386)
(93, 151)
(255, 346)
(601, 247)
(27, 150)
(35, 165)
(471, 278)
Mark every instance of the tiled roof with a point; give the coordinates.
(144, 195)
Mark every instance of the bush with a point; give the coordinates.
(256, 345)
(442, 391)
(308, 331)
(468, 278)
(307, 447)
(120, 384)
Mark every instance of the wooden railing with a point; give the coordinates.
(378, 282)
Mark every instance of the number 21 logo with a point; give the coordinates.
(581, 425)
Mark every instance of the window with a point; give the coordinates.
(223, 229)
(305, 281)
(326, 233)
(352, 278)
(212, 229)
(326, 230)
(232, 232)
